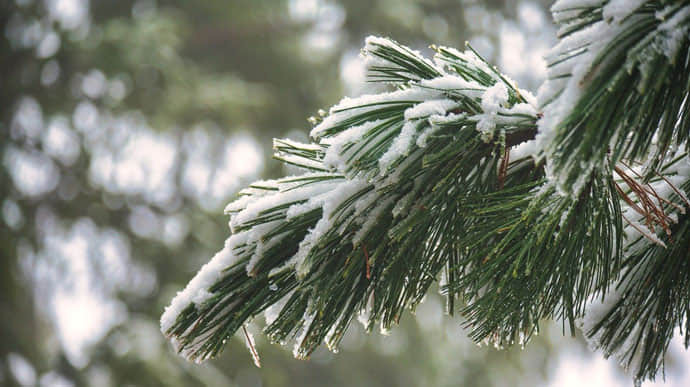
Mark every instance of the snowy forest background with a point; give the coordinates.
(125, 126)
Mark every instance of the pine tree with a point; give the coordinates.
(569, 205)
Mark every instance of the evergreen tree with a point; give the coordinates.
(569, 205)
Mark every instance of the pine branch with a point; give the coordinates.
(443, 177)
(535, 256)
(618, 86)
(366, 231)
(235, 285)
(636, 322)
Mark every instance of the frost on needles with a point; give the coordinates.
(570, 208)
(617, 86)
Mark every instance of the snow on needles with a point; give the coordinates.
(245, 210)
(493, 99)
(572, 70)
(436, 97)
(377, 53)
(196, 290)
(637, 237)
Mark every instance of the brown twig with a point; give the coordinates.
(366, 261)
(652, 212)
(503, 168)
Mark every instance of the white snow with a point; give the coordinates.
(334, 155)
(371, 219)
(564, 9)
(256, 235)
(558, 95)
(564, 5)
(468, 59)
(344, 192)
(372, 56)
(304, 192)
(196, 290)
(524, 150)
(330, 203)
(248, 207)
(428, 108)
(596, 311)
(494, 98)
(675, 30)
(400, 146)
(350, 107)
(423, 137)
(365, 202)
(617, 10)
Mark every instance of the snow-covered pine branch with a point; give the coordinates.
(617, 101)
(443, 177)
(365, 229)
(636, 321)
(617, 87)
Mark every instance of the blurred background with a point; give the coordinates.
(125, 126)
